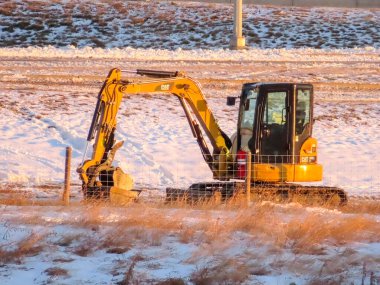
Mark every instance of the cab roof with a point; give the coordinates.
(275, 84)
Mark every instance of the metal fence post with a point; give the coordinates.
(66, 190)
(248, 178)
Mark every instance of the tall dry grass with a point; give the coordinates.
(276, 230)
(227, 271)
(301, 230)
(362, 206)
(56, 271)
(32, 245)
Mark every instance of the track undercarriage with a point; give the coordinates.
(276, 192)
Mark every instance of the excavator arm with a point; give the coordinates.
(97, 173)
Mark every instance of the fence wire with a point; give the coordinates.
(356, 178)
(228, 175)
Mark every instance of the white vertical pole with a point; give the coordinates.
(237, 40)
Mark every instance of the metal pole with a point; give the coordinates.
(66, 190)
(237, 40)
(248, 178)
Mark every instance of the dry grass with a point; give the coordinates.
(87, 245)
(67, 240)
(171, 281)
(278, 228)
(117, 250)
(63, 260)
(291, 227)
(129, 276)
(228, 271)
(7, 8)
(311, 233)
(30, 246)
(56, 271)
(186, 234)
(361, 206)
(18, 194)
(115, 240)
(137, 20)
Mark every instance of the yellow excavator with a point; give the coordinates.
(274, 128)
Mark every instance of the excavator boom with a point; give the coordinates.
(97, 172)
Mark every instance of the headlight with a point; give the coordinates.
(308, 159)
(304, 159)
(312, 159)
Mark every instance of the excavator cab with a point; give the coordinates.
(275, 125)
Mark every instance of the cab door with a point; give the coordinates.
(303, 125)
(275, 127)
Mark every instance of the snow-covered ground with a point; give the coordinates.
(140, 244)
(48, 95)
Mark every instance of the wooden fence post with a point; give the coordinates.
(248, 178)
(66, 190)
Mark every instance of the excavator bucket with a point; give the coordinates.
(111, 184)
(122, 191)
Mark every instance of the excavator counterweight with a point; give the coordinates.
(274, 126)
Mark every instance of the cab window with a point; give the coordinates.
(302, 110)
(275, 108)
(248, 114)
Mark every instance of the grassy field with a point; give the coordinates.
(177, 244)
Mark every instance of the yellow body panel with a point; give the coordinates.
(286, 172)
(308, 150)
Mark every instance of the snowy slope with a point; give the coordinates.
(186, 25)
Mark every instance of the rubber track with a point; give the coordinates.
(260, 191)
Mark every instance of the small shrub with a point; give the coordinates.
(30, 246)
(172, 281)
(84, 249)
(225, 272)
(129, 276)
(63, 260)
(67, 240)
(117, 250)
(56, 271)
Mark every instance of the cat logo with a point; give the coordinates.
(165, 87)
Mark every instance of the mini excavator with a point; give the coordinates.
(274, 127)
